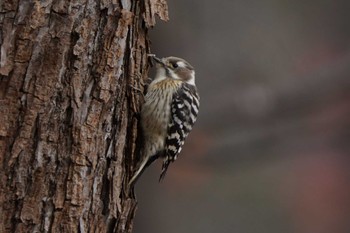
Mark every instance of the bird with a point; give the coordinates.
(168, 114)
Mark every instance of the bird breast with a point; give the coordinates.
(155, 113)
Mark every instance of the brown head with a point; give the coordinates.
(174, 68)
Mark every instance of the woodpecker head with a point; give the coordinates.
(174, 68)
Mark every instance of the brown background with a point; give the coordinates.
(270, 150)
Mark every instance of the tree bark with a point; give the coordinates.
(71, 86)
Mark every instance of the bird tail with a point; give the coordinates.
(145, 163)
(165, 166)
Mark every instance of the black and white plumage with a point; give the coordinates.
(168, 114)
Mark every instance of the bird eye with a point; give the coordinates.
(175, 65)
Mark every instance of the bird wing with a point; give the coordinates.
(183, 115)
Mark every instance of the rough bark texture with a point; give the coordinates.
(71, 83)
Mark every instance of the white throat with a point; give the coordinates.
(160, 75)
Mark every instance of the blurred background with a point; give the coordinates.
(270, 150)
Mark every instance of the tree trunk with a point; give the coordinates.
(71, 86)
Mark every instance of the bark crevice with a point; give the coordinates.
(71, 84)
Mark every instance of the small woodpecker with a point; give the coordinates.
(168, 114)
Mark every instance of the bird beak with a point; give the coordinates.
(156, 59)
